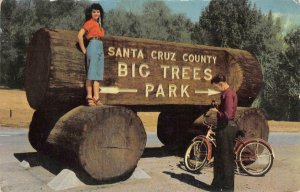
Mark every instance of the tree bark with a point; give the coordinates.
(176, 128)
(41, 125)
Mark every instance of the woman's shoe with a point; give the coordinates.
(98, 102)
(90, 102)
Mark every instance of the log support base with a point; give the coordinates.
(106, 142)
(174, 129)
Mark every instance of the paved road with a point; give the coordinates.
(163, 169)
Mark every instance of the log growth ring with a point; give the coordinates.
(108, 141)
(119, 149)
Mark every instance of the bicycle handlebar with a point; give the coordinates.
(209, 126)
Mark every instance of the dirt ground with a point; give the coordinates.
(14, 108)
(16, 112)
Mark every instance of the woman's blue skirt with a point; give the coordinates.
(95, 60)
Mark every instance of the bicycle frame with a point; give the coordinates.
(241, 142)
(208, 139)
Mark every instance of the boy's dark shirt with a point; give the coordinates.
(227, 108)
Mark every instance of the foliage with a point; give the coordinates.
(238, 24)
(290, 76)
(291, 64)
(122, 23)
(20, 19)
(229, 22)
(226, 23)
(155, 22)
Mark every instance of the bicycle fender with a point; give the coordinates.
(259, 140)
(209, 146)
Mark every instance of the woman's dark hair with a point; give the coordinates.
(218, 78)
(95, 6)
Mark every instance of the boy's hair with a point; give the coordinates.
(218, 78)
(95, 6)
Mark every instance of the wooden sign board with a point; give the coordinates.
(149, 72)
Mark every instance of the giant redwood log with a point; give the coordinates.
(106, 141)
(138, 72)
(41, 125)
(173, 127)
(251, 120)
(178, 128)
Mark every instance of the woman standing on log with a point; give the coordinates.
(94, 52)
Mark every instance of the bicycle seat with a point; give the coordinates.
(207, 119)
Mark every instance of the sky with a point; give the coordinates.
(289, 10)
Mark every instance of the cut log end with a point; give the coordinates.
(37, 68)
(108, 141)
(253, 122)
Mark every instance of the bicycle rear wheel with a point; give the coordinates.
(196, 155)
(255, 158)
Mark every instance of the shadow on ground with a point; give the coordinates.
(56, 165)
(189, 179)
(163, 151)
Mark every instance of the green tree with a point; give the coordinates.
(7, 8)
(269, 50)
(230, 23)
(14, 41)
(123, 23)
(200, 35)
(238, 24)
(290, 76)
(180, 29)
(156, 21)
(131, 6)
(20, 19)
(68, 14)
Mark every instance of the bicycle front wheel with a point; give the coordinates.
(196, 155)
(255, 158)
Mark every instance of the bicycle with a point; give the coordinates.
(253, 155)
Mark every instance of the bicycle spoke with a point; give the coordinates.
(196, 155)
(256, 151)
(255, 158)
